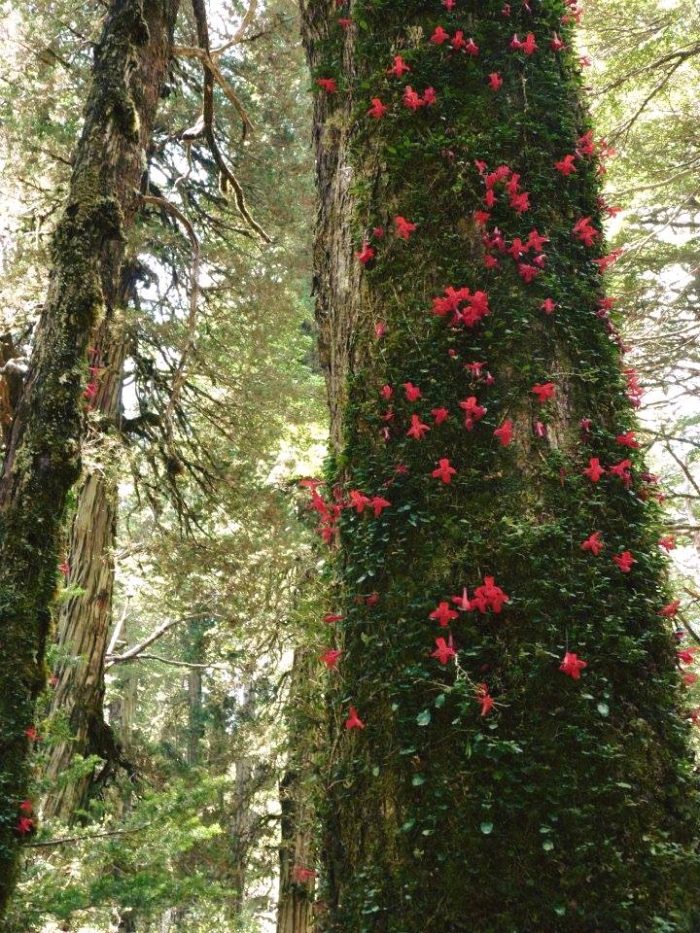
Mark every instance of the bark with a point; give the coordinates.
(43, 456)
(572, 805)
(298, 849)
(84, 621)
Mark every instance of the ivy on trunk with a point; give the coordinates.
(570, 804)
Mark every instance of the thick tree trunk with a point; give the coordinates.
(571, 804)
(43, 456)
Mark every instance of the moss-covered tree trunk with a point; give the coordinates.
(519, 758)
(43, 457)
(84, 619)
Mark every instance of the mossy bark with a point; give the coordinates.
(43, 457)
(572, 805)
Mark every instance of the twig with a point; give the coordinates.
(65, 839)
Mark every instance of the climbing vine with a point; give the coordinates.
(510, 743)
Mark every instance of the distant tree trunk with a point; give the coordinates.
(570, 806)
(298, 849)
(84, 620)
(43, 456)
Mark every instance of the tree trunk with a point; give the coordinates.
(570, 805)
(298, 849)
(43, 456)
(84, 620)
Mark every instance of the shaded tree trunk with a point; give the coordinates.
(43, 456)
(570, 805)
(298, 844)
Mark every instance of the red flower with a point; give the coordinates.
(668, 542)
(26, 807)
(386, 391)
(353, 721)
(418, 428)
(670, 609)
(585, 144)
(548, 306)
(529, 45)
(444, 650)
(301, 875)
(399, 67)
(605, 262)
(520, 202)
(504, 433)
(458, 41)
(627, 439)
(65, 569)
(515, 42)
(331, 617)
(330, 658)
(475, 369)
(624, 561)
(449, 5)
(536, 241)
(379, 504)
(544, 391)
(443, 614)
(90, 391)
(444, 471)
(411, 99)
(473, 412)
(380, 330)
(539, 429)
(24, 825)
(489, 596)
(594, 470)
(585, 232)
(593, 543)
(484, 699)
(566, 165)
(481, 218)
(556, 45)
(686, 655)
(413, 393)
(404, 228)
(366, 254)
(528, 272)
(622, 471)
(440, 414)
(471, 48)
(358, 501)
(329, 85)
(429, 97)
(345, 22)
(31, 733)
(495, 81)
(462, 602)
(439, 36)
(378, 109)
(572, 665)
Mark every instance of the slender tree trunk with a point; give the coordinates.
(43, 456)
(298, 848)
(570, 805)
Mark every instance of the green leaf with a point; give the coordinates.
(423, 718)
(486, 828)
(417, 780)
(603, 708)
